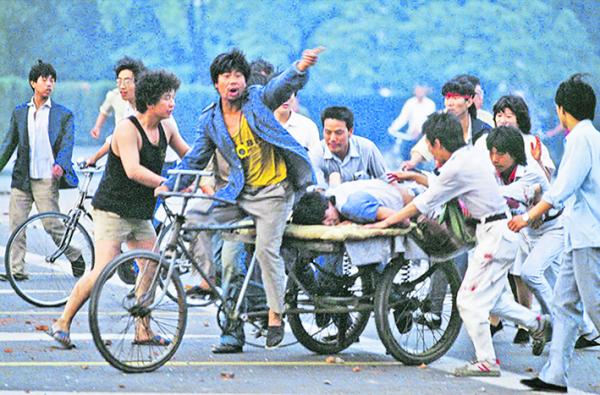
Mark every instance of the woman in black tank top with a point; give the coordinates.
(117, 192)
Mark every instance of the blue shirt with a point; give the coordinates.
(363, 161)
(258, 110)
(577, 187)
(359, 200)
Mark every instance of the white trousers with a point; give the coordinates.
(485, 288)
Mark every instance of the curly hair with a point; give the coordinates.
(152, 85)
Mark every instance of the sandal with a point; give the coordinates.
(62, 337)
(156, 340)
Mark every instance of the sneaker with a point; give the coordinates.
(78, 267)
(496, 328)
(541, 335)
(582, 342)
(431, 320)
(275, 336)
(479, 369)
(522, 336)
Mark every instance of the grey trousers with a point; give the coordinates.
(44, 193)
(578, 285)
(270, 207)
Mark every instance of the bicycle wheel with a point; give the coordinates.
(55, 253)
(330, 333)
(415, 311)
(118, 310)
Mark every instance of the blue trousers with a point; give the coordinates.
(578, 285)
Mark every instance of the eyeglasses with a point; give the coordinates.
(124, 81)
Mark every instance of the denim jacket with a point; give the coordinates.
(258, 110)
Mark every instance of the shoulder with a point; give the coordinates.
(303, 120)
(479, 125)
(61, 109)
(364, 143)
(169, 125)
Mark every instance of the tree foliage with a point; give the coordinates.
(371, 44)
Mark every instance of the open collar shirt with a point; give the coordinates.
(41, 158)
(577, 187)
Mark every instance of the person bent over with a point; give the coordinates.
(467, 173)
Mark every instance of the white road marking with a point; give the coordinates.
(41, 336)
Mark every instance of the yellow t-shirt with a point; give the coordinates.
(262, 164)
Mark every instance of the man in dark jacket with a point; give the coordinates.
(42, 132)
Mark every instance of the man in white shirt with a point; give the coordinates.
(467, 172)
(42, 132)
(343, 154)
(300, 127)
(414, 113)
(458, 100)
(577, 189)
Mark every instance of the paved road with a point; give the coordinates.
(30, 362)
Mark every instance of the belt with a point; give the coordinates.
(485, 220)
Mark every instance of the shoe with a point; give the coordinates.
(78, 266)
(582, 342)
(479, 369)
(62, 337)
(156, 340)
(522, 336)
(541, 335)
(275, 336)
(196, 290)
(537, 384)
(227, 349)
(431, 320)
(16, 277)
(497, 328)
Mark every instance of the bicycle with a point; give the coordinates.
(56, 249)
(323, 321)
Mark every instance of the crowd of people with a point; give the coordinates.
(536, 227)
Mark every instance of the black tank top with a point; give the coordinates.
(119, 194)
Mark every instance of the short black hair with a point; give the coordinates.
(310, 209)
(341, 113)
(462, 86)
(446, 128)
(517, 105)
(508, 139)
(261, 66)
(471, 78)
(151, 85)
(136, 66)
(228, 61)
(41, 69)
(576, 97)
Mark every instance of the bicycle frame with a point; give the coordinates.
(75, 213)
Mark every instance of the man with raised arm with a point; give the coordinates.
(267, 164)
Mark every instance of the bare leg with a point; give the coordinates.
(106, 250)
